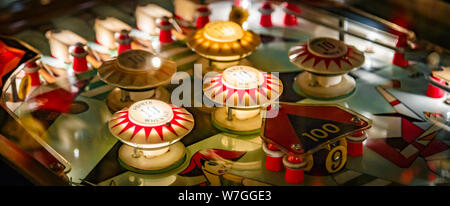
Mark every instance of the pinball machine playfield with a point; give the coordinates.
(184, 93)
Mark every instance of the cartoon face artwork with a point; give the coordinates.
(214, 161)
(217, 167)
(214, 166)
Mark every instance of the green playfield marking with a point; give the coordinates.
(181, 55)
(172, 45)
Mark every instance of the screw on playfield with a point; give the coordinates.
(296, 146)
(356, 120)
(56, 167)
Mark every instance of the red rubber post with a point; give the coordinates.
(266, 11)
(355, 148)
(274, 163)
(32, 69)
(80, 64)
(165, 36)
(399, 58)
(290, 20)
(435, 92)
(79, 54)
(124, 41)
(203, 17)
(289, 9)
(165, 33)
(123, 47)
(294, 175)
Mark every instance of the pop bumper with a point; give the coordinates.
(150, 131)
(138, 75)
(222, 44)
(326, 62)
(242, 90)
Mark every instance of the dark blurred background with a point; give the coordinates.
(429, 19)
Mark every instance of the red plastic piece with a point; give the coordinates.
(274, 163)
(202, 19)
(124, 42)
(58, 100)
(354, 149)
(435, 92)
(294, 176)
(358, 134)
(78, 49)
(80, 64)
(266, 19)
(272, 147)
(399, 58)
(35, 80)
(165, 35)
(289, 19)
(295, 159)
(123, 47)
(79, 59)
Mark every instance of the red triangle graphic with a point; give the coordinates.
(388, 152)
(410, 131)
(434, 147)
(331, 113)
(280, 126)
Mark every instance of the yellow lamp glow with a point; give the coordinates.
(223, 41)
(223, 32)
